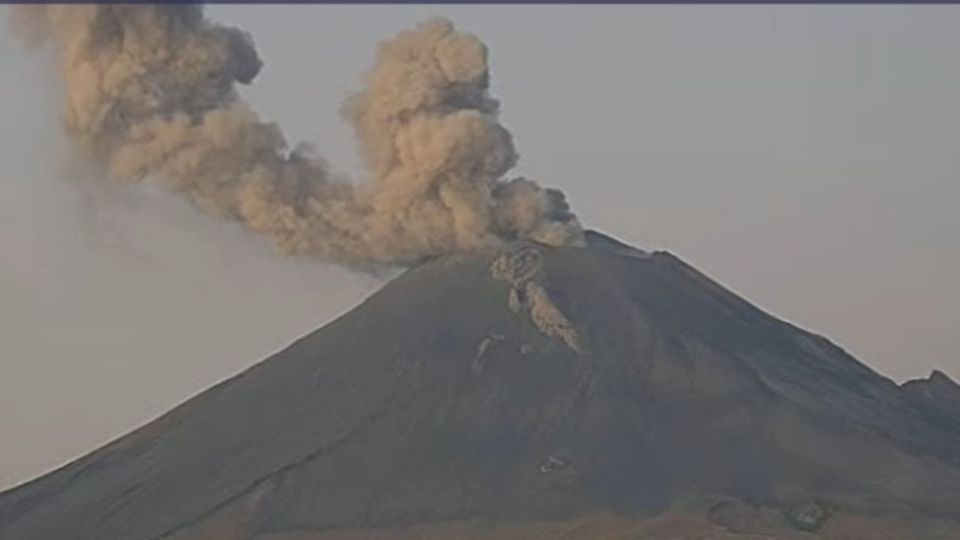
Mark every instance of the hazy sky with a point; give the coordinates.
(806, 157)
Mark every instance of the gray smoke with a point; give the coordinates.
(150, 95)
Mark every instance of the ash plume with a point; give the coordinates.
(150, 96)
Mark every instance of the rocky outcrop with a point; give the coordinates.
(938, 396)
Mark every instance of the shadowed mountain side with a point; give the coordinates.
(939, 397)
(529, 385)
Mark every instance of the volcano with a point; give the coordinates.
(598, 391)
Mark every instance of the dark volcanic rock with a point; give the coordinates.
(938, 397)
(530, 384)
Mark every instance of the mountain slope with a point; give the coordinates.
(519, 386)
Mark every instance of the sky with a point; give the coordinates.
(804, 156)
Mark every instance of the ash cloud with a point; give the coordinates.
(150, 95)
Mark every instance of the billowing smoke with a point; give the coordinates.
(150, 95)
